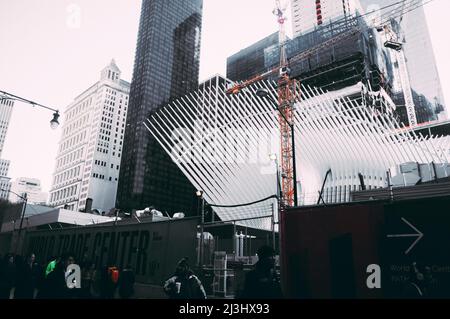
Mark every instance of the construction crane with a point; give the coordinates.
(288, 93)
(288, 89)
(395, 12)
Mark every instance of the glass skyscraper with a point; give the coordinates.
(251, 61)
(418, 49)
(166, 66)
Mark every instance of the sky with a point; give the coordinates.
(52, 50)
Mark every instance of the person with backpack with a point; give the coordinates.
(108, 282)
(184, 284)
(55, 285)
(263, 282)
(126, 282)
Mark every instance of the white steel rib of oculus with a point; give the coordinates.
(222, 143)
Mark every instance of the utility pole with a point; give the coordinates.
(199, 194)
(273, 157)
(24, 207)
(389, 180)
(202, 231)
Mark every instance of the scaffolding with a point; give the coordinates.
(351, 53)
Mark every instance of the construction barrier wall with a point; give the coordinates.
(152, 248)
(331, 251)
(5, 243)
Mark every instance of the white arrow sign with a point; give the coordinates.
(418, 234)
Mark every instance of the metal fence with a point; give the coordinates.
(229, 251)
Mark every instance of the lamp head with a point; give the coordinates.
(199, 193)
(54, 122)
(262, 92)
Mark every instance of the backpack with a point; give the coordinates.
(113, 274)
(189, 288)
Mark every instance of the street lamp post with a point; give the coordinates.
(24, 207)
(264, 93)
(273, 157)
(199, 194)
(54, 123)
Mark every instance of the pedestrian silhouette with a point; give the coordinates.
(126, 282)
(55, 285)
(263, 282)
(27, 277)
(109, 278)
(184, 284)
(7, 276)
(87, 279)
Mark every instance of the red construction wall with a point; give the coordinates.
(313, 242)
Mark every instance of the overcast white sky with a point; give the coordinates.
(45, 59)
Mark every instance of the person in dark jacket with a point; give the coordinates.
(55, 286)
(126, 282)
(7, 276)
(107, 282)
(184, 284)
(87, 279)
(28, 273)
(262, 282)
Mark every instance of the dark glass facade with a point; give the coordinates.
(166, 67)
(418, 49)
(251, 60)
(357, 58)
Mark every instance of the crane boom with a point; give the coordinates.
(236, 88)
